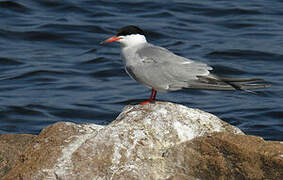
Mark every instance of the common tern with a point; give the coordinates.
(161, 70)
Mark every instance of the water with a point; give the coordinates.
(53, 68)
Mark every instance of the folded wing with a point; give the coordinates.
(163, 70)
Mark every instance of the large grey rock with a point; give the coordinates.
(134, 146)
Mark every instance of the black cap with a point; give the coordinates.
(128, 30)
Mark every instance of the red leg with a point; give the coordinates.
(151, 98)
(154, 94)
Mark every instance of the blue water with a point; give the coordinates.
(52, 67)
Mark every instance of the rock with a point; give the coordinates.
(11, 147)
(50, 149)
(142, 143)
(226, 156)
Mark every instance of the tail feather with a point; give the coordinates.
(241, 79)
(224, 83)
(246, 86)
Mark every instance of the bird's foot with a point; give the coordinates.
(151, 98)
(146, 102)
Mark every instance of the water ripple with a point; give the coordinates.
(13, 6)
(7, 61)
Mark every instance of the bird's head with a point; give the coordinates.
(128, 36)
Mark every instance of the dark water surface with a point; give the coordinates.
(52, 67)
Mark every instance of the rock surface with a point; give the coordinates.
(226, 156)
(11, 147)
(155, 141)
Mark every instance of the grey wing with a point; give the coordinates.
(163, 70)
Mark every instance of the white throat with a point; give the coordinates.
(132, 40)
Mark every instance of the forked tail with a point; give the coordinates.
(224, 83)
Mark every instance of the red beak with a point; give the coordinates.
(111, 39)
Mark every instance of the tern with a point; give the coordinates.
(161, 70)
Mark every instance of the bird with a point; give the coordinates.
(161, 70)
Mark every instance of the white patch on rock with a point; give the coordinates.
(184, 132)
(162, 111)
(137, 135)
(147, 121)
(116, 154)
(36, 146)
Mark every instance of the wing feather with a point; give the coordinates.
(163, 70)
